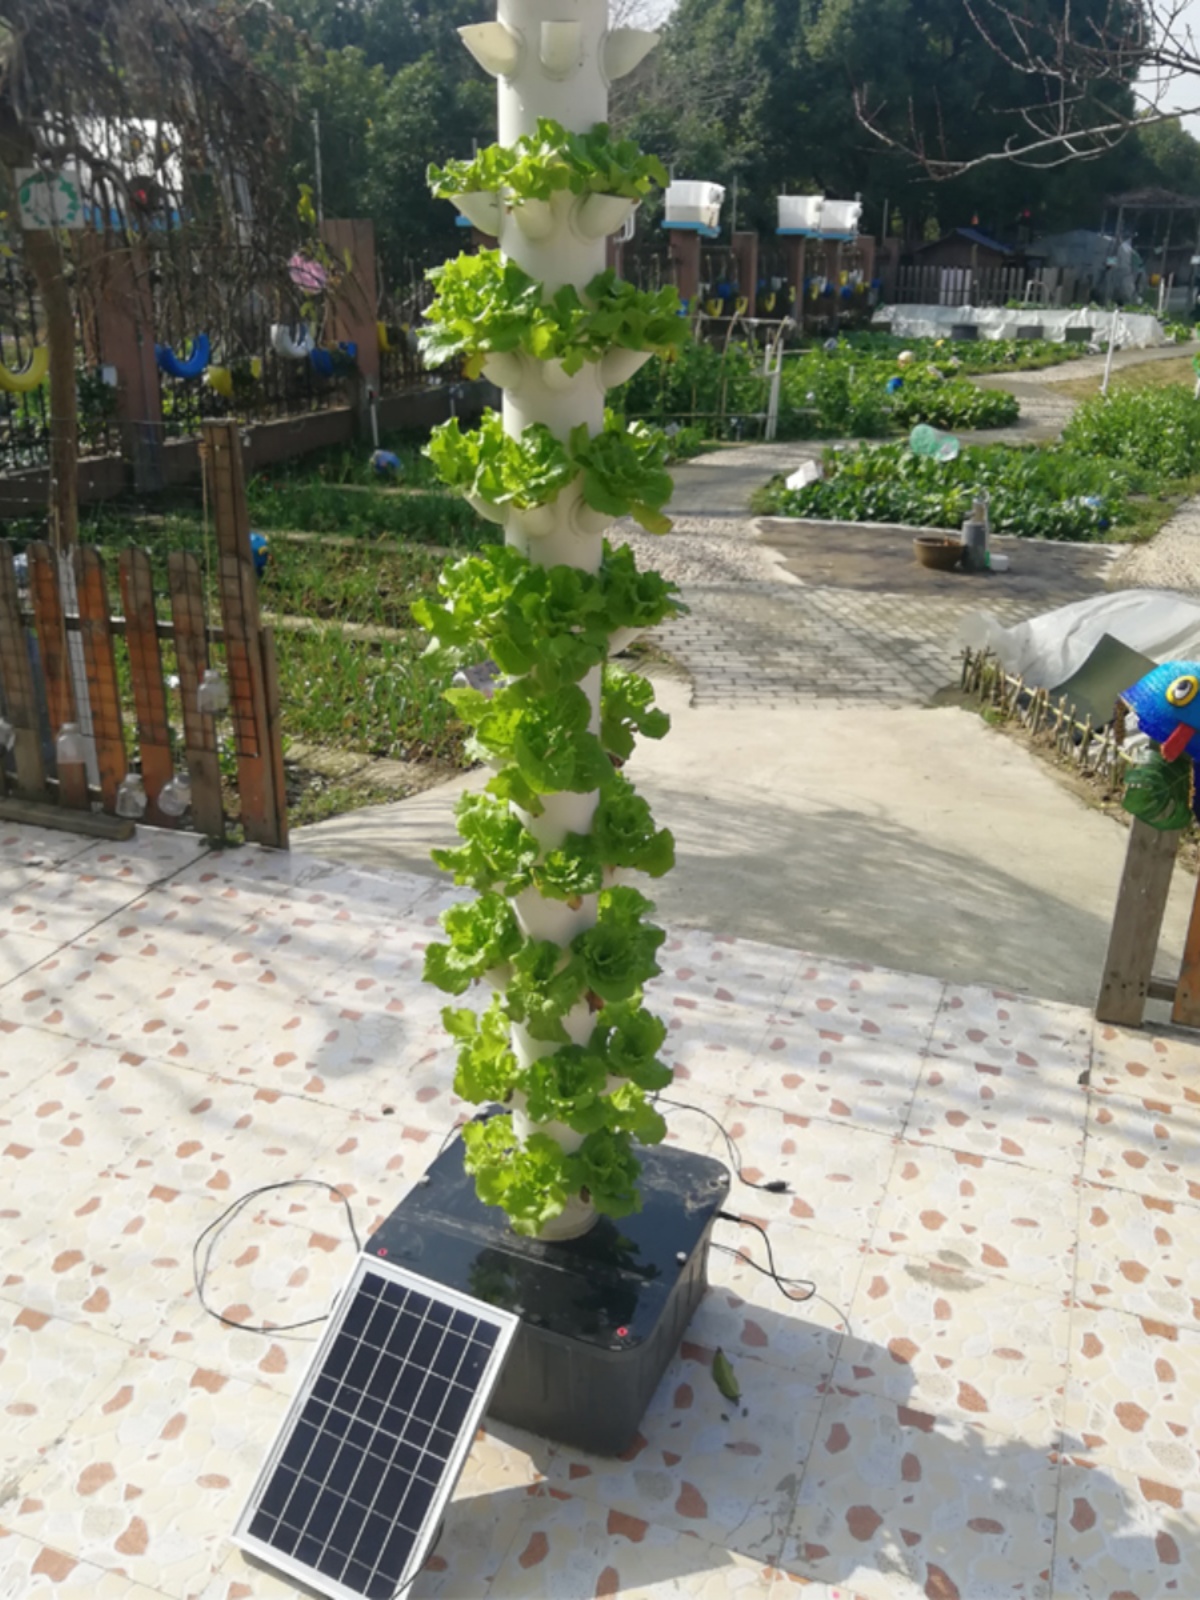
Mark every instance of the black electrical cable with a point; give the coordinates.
(200, 1269)
(772, 1186)
(767, 1271)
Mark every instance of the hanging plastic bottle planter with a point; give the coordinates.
(175, 796)
(131, 797)
(70, 748)
(212, 697)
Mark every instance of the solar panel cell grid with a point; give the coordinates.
(353, 1487)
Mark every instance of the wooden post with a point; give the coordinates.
(262, 807)
(56, 666)
(685, 263)
(1137, 922)
(17, 677)
(191, 654)
(1186, 1010)
(95, 625)
(745, 251)
(149, 691)
(120, 277)
(797, 253)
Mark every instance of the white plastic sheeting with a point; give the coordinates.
(1046, 650)
(999, 322)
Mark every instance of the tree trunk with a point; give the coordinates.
(47, 262)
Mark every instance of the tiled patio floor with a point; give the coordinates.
(996, 1394)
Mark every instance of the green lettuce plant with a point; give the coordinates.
(549, 161)
(488, 306)
(624, 471)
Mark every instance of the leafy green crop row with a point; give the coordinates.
(1045, 493)
(823, 394)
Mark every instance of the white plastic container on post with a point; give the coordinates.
(693, 204)
(801, 213)
(840, 218)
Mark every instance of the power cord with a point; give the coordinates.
(772, 1186)
(200, 1268)
(769, 1271)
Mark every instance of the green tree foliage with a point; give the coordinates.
(763, 89)
(760, 90)
(394, 90)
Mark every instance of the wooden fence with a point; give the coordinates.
(982, 286)
(60, 663)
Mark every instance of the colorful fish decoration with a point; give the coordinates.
(1166, 702)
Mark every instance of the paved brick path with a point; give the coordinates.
(758, 636)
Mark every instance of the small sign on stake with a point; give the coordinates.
(49, 199)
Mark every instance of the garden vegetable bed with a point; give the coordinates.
(1124, 466)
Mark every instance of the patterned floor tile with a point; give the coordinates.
(87, 1112)
(745, 1313)
(51, 1370)
(836, 1175)
(709, 1042)
(27, 845)
(150, 1480)
(1133, 1062)
(1007, 1029)
(1146, 1146)
(27, 1055)
(725, 1471)
(1139, 1253)
(819, 1072)
(959, 1344)
(116, 1256)
(964, 1211)
(1005, 1112)
(151, 855)
(730, 971)
(19, 952)
(855, 1001)
(266, 1268)
(1133, 1398)
(30, 1569)
(568, 1548)
(63, 904)
(225, 1138)
(77, 991)
(901, 1505)
(1121, 1537)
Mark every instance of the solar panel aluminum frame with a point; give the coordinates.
(506, 1323)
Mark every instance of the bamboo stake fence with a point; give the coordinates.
(1054, 724)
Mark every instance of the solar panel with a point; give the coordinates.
(352, 1493)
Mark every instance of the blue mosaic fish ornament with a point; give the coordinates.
(1167, 704)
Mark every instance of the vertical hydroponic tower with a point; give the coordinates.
(566, 1046)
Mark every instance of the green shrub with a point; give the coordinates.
(1157, 430)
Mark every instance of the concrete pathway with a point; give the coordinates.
(989, 1390)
